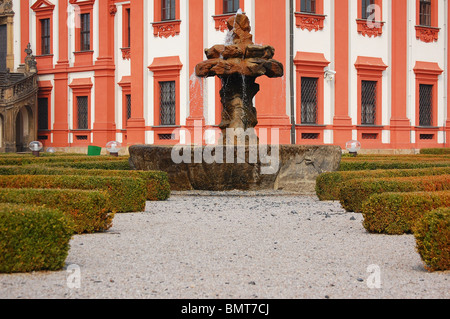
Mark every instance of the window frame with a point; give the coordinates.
(303, 80)
(166, 69)
(43, 10)
(427, 33)
(374, 103)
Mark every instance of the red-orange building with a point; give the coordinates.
(371, 70)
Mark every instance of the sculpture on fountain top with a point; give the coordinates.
(238, 64)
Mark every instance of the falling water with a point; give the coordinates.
(230, 34)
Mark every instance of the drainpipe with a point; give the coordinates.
(291, 68)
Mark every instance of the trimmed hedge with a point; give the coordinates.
(27, 160)
(328, 185)
(157, 183)
(33, 238)
(432, 234)
(127, 194)
(388, 164)
(122, 165)
(396, 213)
(435, 151)
(356, 191)
(89, 210)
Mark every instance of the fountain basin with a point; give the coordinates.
(293, 168)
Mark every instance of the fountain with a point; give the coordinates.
(240, 160)
(238, 64)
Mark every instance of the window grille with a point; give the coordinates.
(85, 33)
(365, 14)
(43, 113)
(369, 136)
(82, 112)
(167, 103)
(230, 6)
(308, 6)
(310, 136)
(168, 10)
(368, 102)
(425, 105)
(166, 137)
(309, 100)
(128, 100)
(45, 36)
(426, 136)
(425, 12)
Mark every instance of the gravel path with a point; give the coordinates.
(237, 245)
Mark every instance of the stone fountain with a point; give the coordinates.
(239, 161)
(238, 65)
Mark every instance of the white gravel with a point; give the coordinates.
(236, 245)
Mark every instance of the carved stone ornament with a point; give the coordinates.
(427, 34)
(6, 7)
(370, 29)
(310, 22)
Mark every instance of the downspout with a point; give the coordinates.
(291, 69)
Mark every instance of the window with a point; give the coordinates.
(308, 6)
(366, 6)
(230, 6)
(309, 100)
(168, 10)
(368, 102)
(45, 36)
(85, 32)
(42, 113)
(128, 106)
(128, 30)
(82, 112)
(425, 13)
(167, 103)
(425, 105)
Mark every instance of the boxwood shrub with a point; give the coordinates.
(27, 160)
(33, 238)
(89, 210)
(435, 151)
(389, 164)
(432, 234)
(108, 165)
(396, 213)
(356, 191)
(157, 183)
(127, 194)
(328, 185)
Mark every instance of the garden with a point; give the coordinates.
(398, 194)
(46, 200)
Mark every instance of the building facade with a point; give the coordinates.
(371, 70)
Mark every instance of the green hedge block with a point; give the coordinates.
(157, 183)
(108, 165)
(435, 151)
(396, 213)
(126, 194)
(356, 191)
(328, 185)
(432, 234)
(33, 238)
(89, 210)
(379, 165)
(47, 160)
